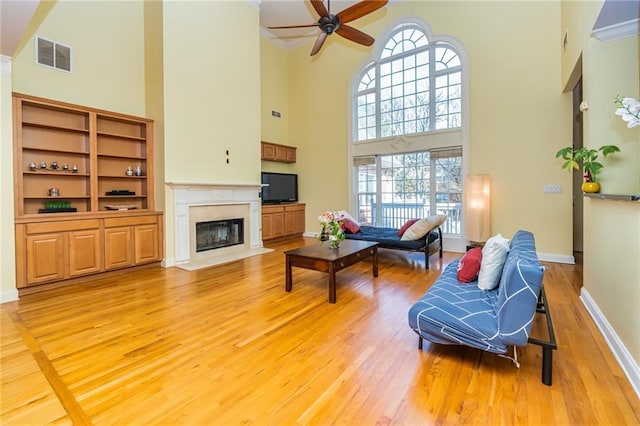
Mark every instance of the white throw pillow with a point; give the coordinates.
(494, 254)
(422, 227)
(343, 214)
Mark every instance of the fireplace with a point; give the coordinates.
(215, 234)
(232, 212)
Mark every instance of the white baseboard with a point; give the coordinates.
(556, 258)
(620, 352)
(9, 296)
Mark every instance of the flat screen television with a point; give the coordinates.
(282, 188)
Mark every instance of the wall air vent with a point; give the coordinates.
(53, 54)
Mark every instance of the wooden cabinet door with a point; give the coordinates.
(289, 222)
(291, 155)
(146, 243)
(45, 257)
(118, 247)
(84, 252)
(267, 226)
(277, 224)
(268, 151)
(299, 226)
(281, 153)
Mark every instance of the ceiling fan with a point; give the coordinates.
(330, 23)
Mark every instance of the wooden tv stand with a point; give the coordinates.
(282, 220)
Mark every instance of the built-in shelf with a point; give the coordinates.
(614, 197)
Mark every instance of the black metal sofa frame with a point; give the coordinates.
(388, 238)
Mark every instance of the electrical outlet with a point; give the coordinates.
(276, 114)
(552, 189)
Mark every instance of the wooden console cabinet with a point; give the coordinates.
(279, 153)
(84, 199)
(282, 220)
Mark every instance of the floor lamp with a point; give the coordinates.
(477, 209)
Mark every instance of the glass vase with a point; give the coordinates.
(334, 241)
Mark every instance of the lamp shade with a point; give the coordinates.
(477, 208)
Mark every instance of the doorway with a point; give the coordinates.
(577, 174)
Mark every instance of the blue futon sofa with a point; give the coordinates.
(451, 312)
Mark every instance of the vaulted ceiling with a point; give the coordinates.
(17, 14)
(15, 17)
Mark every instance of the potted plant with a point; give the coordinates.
(588, 156)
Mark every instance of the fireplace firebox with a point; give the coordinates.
(216, 234)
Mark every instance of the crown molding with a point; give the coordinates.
(617, 31)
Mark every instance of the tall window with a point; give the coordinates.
(414, 87)
(407, 131)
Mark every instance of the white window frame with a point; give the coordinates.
(412, 142)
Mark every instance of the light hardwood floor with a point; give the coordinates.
(227, 345)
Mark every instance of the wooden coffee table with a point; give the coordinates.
(319, 257)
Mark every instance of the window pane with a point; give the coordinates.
(449, 192)
(410, 74)
(396, 78)
(422, 58)
(422, 84)
(385, 68)
(422, 72)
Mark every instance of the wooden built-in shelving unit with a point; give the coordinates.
(66, 159)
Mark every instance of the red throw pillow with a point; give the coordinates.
(350, 226)
(406, 226)
(469, 265)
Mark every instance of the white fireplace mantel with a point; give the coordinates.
(188, 195)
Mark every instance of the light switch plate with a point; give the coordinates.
(552, 189)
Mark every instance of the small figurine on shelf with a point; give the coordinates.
(138, 171)
(32, 166)
(54, 165)
(43, 165)
(74, 169)
(129, 171)
(65, 166)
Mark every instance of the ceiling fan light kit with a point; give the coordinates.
(330, 23)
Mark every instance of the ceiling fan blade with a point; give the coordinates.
(319, 42)
(294, 26)
(358, 10)
(318, 5)
(355, 35)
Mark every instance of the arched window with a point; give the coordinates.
(415, 86)
(408, 130)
